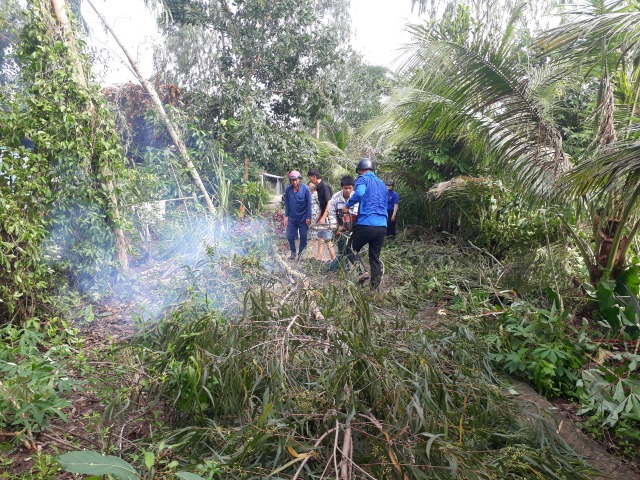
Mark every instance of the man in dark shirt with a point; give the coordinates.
(324, 195)
(324, 190)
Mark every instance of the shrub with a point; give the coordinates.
(540, 346)
(25, 275)
(34, 384)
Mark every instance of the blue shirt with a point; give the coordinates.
(371, 193)
(392, 199)
(297, 205)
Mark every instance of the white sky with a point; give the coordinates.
(378, 28)
(377, 25)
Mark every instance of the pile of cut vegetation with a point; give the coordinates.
(307, 382)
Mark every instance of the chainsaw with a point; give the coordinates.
(346, 221)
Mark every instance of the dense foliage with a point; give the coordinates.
(244, 365)
(74, 136)
(23, 228)
(266, 70)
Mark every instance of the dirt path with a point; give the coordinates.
(597, 457)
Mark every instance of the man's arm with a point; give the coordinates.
(286, 202)
(327, 193)
(323, 200)
(395, 206)
(330, 212)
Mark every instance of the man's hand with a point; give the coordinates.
(285, 221)
(345, 209)
(308, 222)
(393, 218)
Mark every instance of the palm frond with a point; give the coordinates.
(467, 187)
(581, 43)
(461, 92)
(612, 168)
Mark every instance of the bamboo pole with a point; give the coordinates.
(161, 111)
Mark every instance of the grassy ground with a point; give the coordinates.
(243, 365)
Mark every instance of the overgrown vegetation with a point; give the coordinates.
(517, 254)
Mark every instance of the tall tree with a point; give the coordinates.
(173, 133)
(74, 132)
(262, 74)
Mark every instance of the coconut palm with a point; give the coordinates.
(502, 101)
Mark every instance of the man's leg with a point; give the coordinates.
(292, 229)
(324, 237)
(358, 240)
(376, 239)
(391, 224)
(332, 251)
(304, 229)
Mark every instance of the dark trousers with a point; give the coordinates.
(297, 228)
(374, 237)
(391, 224)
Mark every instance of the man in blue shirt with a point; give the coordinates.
(370, 229)
(297, 213)
(392, 208)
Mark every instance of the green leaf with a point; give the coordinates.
(149, 460)
(628, 279)
(94, 463)
(189, 476)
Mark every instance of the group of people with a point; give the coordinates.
(368, 201)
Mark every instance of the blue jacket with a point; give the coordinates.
(371, 193)
(392, 199)
(297, 205)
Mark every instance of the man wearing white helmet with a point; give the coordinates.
(297, 213)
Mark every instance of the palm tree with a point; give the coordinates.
(502, 104)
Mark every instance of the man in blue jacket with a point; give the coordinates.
(392, 208)
(297, 213)
(371, 193)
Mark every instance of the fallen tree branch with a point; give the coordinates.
(484, 252)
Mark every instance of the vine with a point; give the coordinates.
(75, 135)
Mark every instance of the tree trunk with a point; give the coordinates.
(115, 219)
(163, 115)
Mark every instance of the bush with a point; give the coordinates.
(253, 195)
(34, 384)
(541, 346)
(25, 275)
